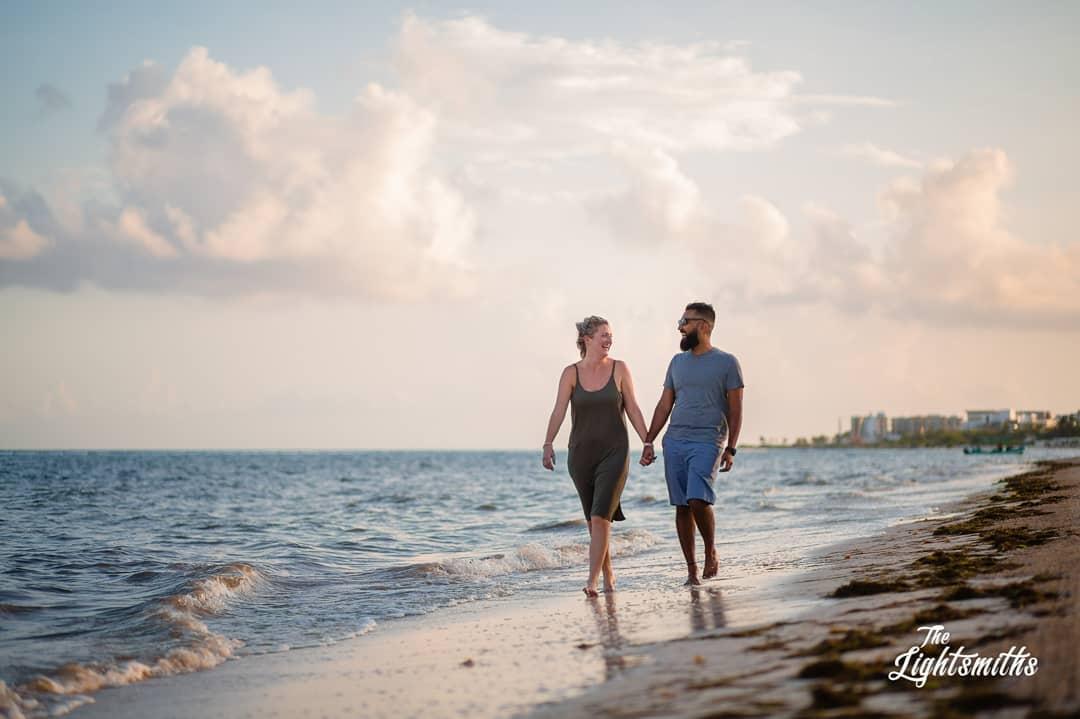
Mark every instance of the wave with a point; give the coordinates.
(554, 526)
(18, 608)
(533, 556)
(197, 648)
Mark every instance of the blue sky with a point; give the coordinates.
(887, 189)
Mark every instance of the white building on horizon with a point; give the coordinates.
(923, 424)
(1035, 419)
(868, 429)
(989, 418)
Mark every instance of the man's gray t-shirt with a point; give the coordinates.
(701, 383)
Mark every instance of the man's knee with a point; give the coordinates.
(681, 510)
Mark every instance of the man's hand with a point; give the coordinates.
(648, 455)
(726, 462)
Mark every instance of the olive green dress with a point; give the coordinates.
(599, 459)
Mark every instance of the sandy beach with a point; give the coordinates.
(1002, 572)
(996, 572)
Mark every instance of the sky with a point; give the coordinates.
(373, 226)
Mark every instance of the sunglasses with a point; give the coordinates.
(683, 321)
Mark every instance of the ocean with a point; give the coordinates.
(119, 566)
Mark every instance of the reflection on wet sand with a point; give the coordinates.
(706, 609)
(607, 628)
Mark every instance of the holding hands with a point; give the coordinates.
(648, 455)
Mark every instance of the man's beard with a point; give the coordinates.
(689, 341)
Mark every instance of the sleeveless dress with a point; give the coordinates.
(599, 458)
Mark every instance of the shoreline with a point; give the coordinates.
(1003, 572)
(726, 649)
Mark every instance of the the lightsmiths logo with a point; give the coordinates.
(916, 666)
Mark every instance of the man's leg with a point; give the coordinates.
(704, 461)
(676, 469)
(702, 513)
(684, 526)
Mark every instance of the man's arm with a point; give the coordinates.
(659, 419)
(661, 413)
(734, 398)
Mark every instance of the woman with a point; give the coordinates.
(599, 390)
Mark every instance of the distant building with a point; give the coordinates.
(989, 418)
(868, 429)
(1034, 419)
(918, 426)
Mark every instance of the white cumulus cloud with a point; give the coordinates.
(555, 96)
(949, 257)
(227, 183)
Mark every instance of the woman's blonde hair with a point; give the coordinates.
(587, 327)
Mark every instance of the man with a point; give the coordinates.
(703, 393)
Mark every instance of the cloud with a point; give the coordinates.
(943, 255)
(948, 258)
(746, 248)
(223, 183)
(660, 203)
(50, 100)
(878, 155)
(19, 240)
(558, 97)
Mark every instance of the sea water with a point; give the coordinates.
(121, 566)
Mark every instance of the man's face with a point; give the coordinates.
(689, 325)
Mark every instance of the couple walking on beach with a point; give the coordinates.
(702, 396)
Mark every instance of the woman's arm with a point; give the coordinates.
(630, 405)
(558, 414)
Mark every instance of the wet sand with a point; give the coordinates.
(1003, 571)
(490, 659)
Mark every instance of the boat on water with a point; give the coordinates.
(1018, 449)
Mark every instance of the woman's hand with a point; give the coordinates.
(549, 457)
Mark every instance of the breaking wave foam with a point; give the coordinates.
(536, 556)
(199, 648)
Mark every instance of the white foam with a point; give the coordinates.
(203, 649)
(212, 594)
(536, 556)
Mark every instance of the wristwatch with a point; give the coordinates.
(731, 450)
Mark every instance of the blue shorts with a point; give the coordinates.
(690, 469)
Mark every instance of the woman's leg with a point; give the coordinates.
(600, 538)
(609, 573)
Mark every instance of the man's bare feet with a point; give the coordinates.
(590, 591)
(691, 575)
(712, 566)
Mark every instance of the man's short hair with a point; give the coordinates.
(705, 310)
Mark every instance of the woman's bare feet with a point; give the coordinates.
(712, 565)
(609, 583)
(691, 575)
(590, 591)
